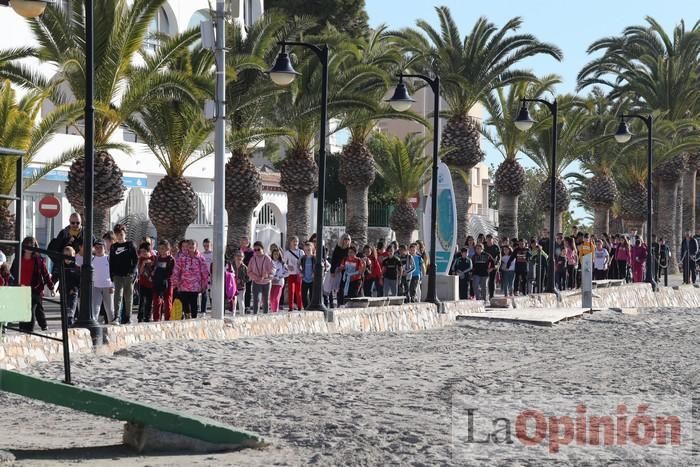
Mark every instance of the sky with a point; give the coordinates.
(572, 26)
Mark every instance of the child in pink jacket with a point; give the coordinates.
(190, 278)
(260, 272)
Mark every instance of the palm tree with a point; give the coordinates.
(671, 144)
(126, 79)
(599, 161)
(298, 109)
(19, 130)
(631, 176)
(175, 132)
(356, 171)
(12, 68)
(470, 69)
(502, 107)
(404, 167)
(538, 147)
(249, 97)
(659, 71)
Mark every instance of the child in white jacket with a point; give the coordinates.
(102, 286)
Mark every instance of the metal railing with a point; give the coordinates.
(334, 214)
(379, 214)
(490, 215)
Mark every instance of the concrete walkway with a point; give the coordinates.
(537, 316)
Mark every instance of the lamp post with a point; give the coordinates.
(524, 122)
(623, 135)
(401, 101)
(282, 73)
(27, 8)
(217, 282)
(85, 318)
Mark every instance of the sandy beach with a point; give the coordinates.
(376, 399)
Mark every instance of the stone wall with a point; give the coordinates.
(20, 351)
(408, 317)
(638, 295)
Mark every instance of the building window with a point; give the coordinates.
(158, 27)
(128, 135)
(266, 216)
(477, 176)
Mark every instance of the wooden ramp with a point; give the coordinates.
(537, 316)
(96, 403)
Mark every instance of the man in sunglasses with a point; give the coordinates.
(71, 236)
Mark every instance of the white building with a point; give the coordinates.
(141, 169)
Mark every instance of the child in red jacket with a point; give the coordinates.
(147, 264)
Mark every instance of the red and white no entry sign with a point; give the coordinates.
(49, 206)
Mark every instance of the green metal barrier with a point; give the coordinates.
(97, 403)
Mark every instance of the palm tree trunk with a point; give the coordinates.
(655, 208)
(7, 228)
(678, 228)
(239, 225)
(461, 187)
(357, 214)
(616, 225)
(697, 204)
(689, 200)
(666, 224)
(507, 216)
(403, 237)
(100, 222)
(637, 226)
(298, 215)
(172, 232)
(557, 222)
(601, 220)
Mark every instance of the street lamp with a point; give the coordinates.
(524, 122)
(85, 318)
(623, 135)
(401, 101)
(282, 73)
(28, 8)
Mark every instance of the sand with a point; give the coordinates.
(376, 399)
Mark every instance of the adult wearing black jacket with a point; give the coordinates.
(339, 254)
(689, 250)
(522, 255)
(495, 252)
(71, 236)
(462, 267)
(71, 272)
(123, 260)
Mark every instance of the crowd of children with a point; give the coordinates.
(173, 282)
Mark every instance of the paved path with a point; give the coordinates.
(53, 315)
(536, 316)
